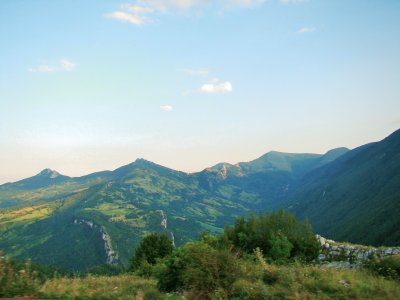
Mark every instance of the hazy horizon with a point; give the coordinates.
(182, 170)
(90, 86)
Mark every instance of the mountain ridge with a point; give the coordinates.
(129, 202)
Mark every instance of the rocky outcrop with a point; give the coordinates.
(111, 254)
(164, 225)
(163, 219)
(343, 255)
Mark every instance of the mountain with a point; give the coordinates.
(264, 182)
(44, 178)
(355, 197)
(104, 222)
(80, 222)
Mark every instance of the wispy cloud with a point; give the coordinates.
(67, 65)
(240, 3)
(215, 86)
(166, 108)
(135, 19)
(291, 1)
(144, 11)
(306, 29)
(42, 69)
(63, 65)
(197, 72)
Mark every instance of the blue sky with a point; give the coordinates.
(92, 85)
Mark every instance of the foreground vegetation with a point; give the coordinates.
(265, 257)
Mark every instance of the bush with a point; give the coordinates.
(388, 266)
(105, 270)
(280, 247)
(201, 269)
(243, 289)
(17, 281)
(151, 248)
(279, 235)
(152, 293)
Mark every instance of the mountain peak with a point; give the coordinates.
(49, 173)
(142, 160)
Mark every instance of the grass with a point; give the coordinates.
(122, 287)
(267, 281)
(314, 282)
(92, 287)
(256, 281)
(291, 282)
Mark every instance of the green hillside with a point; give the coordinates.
(77, 223)
(356, 197)
(141, 197)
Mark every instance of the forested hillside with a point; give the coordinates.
(80, 222)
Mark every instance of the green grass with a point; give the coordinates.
(254, 280)
(118, 287)
(293, 282)
(314, 282)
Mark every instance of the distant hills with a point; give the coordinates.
(355, 197)
(79, 222)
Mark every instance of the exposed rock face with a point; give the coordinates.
(112, 256)
(164, 225)
(50, 173)
(342, 255)
(163, 219)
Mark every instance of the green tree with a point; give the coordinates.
(278, 235)
(153, 246)
(200, 268)
(280, 247)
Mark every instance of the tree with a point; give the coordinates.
(280, 247)
(278, 235)
(153, 246)
(200, 268)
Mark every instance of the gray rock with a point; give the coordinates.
(321, 257)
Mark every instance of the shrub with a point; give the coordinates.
(243, 289)
(280, 247)
(152, 293)
(388, 266)
(105, 270)
(154, 246)
(278, 235)
(17, 281)
(201, 269)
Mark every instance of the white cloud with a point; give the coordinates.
(240, 3)
(166, 108)
(291, 1)
(42, 69)
(143, 11)
(132, 18)
(63, 65)
(214, 87)
(137, 8)
(168, 5)
(197, 72)
(67, 65)
(307, 29)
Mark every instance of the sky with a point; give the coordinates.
(92, 85)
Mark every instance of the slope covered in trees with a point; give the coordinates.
(347, 195)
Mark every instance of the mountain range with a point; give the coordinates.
(80, 222)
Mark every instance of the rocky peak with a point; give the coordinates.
(49, 173)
